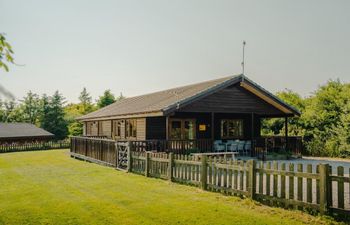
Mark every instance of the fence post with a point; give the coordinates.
(252, 178)
(72, 145)
(86, 146)
(129, 158)
(324, 188)
(147, 164)
(204, 172)
(101, 151)
(170, 166)
(116, 154)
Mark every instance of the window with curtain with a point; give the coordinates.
(231, 128)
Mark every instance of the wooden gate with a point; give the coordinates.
(122, 155)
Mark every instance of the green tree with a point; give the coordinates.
(11, 112)
(106, 99)
(2, 111)
(31, 108)
(275, 126)
(86, 102)
(6, 53)
(44, 111)
(324, 119)
(52, 116)
(75, 128)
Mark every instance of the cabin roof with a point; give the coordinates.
(164, 102)
(22, 130)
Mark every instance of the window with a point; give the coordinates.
(130, 128)
(118, 128)
(182, 129)
(231, 129)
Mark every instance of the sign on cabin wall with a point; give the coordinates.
(202, 127)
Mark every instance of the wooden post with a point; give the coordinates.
(340, 172)
(170, 166)
(212, 126)
(129, 158)
(98, 128)
(148, 154)
(204, 172)
(324, 186)
(252, 178)
(167, 128)
(86, 146)
(286, 132)
(101, 151)
(116, 154)
(252, 135)
(72, 144)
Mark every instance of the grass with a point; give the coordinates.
(49, 187)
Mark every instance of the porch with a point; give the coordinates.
(259, 147)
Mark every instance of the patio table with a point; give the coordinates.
(232, 154)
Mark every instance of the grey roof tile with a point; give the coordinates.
(16, 130)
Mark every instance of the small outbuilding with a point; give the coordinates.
(22, 132)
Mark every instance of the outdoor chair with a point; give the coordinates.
(247, 147)
(240, 147)
(219, 146)
(231, 146)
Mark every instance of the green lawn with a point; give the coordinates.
(48, 187)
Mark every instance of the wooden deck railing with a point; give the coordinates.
(277, 144)
(314, 188)
(261, 146)
(175, 146)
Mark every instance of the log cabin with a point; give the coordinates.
(202, 116)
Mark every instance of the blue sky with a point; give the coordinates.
(137, 47)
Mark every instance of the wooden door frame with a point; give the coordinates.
(182, 121)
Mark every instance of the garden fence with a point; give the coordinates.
(34, 146)
(289, 185)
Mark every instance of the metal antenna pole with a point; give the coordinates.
(243, 57)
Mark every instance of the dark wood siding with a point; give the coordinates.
(155, 128)
(233, 99)
(205, 118)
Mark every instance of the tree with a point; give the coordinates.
(11, 112)
(85, 102)
(53, 115)
(31, 108)
(275, 126)
(6, 53)
(106, 99)
(73, 111)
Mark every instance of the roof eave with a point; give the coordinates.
(125, 116)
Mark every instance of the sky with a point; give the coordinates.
(137, 47)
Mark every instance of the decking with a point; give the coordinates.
(260, 147)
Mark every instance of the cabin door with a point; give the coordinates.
(182, 129)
